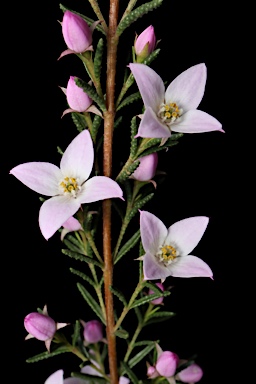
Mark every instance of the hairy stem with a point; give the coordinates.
(109, 116)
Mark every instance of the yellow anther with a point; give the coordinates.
(167, 114)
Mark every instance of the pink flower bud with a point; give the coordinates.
(40, 326)
(145, 43)
(147, 168)
(93, 331)
(192, 374)
(167, 363)
(77, 99)
(76, 32)
(160, 300)
(152, 372)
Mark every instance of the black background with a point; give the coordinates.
(204, 177)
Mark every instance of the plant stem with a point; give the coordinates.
(109, 116)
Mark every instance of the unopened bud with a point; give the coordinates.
(77, 99)
(93, 332)
(147, 168)
(145, 44)
(167, 363)
(160, 299)
(76, 32)
(40, 326)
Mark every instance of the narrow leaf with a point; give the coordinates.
(129, 372)
(91, 302)
(80, 257)
(158, 317)
(128, 100)
(76, 334)
(89, 378)
(140, 355)
(83, 276)
(148, 298)
(137, 13)
(119, 294)
(123, 334)
(127, 246)
(139, 204)
(47, 355)
(79, 121)
(98, 58)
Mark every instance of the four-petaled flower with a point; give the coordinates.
(167, 249)
(68, 185)
(173, 109)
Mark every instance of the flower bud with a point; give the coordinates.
(147, 168)
(77, 99)
(167, 363)
(93, 331)
(152, 372)
(76, 32)
(40, 326)
(192, 374)
(160, 300)
(145, 44)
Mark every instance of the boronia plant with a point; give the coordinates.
(81, 198)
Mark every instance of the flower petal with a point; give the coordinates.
(190, 266)
(40, 177)
(99, 188)
(187, 233)
(152, 269)
(150, 126)
(187, 89)
(196, 121)
(54, 212)
(150, 85)
(153, 232)
(55, 378)
(77, 160)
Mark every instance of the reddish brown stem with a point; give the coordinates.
(109, 117)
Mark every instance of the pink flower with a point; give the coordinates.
(145, 43)
(76, 33)
(93, 331)
(192, 374)
(68, 185)
(147, 168)
(41, 326)
(71, 225)
(173, 109)
(167, 249)
(160, 300)
(77, 99)
(166, 363)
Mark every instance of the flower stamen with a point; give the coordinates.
(167, 254)
(168, 113)
(70, 186)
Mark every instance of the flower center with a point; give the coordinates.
(167, 254)
(168, 113)
(70, 186)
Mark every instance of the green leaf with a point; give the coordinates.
(47, 355)
(128, 246)
(91, 92)
(145, 342)
(139, 204)
(80, 257)
(160, 316)
(76, 334)
(79, 121)
(83, 276)
(137, 13)
(134, 142)
(98, 58)
(153, 55)
(122, 333)
(74, 246)
(119, 294)
(140, 355)
(126, 369)
(152, 286)
(128, 100)
(148, 298)
(91, 302)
